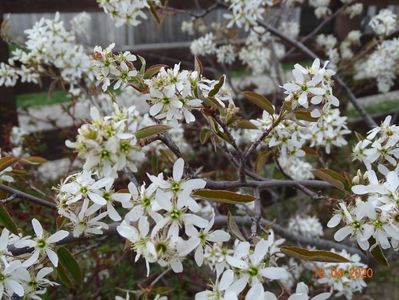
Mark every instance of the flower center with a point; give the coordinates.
(253, 271)
(41, 243)
(175, 186)
(175, 214)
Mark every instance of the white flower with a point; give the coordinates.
(35, 284)
(223, 289)
(140, 239)
(252, 266)
(198, 239)
(42, 244)
(10, 278)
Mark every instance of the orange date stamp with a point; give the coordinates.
(351, 273)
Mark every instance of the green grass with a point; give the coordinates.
(41, 99)
(381, 107)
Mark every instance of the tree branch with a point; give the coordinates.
(28, 197)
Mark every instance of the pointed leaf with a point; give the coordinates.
(260, 100)
(245, 124)
(35, 160)
(223, 196)
(313, 255)
(153, 70)
(204, 135)
(151, 130)
(70, 266)
(305, 116)
(198, 65)
(261, 160)
(7, 161)
(6, 220)
(212, 93)
(233, 227)
(331, 177)
(377, 253)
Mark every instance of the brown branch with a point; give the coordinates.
(30, 198)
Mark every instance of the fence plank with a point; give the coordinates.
(8, 107)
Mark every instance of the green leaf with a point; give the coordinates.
(377, 253)
(245, 124)
(212, 93)
(233, 227)
(305, 116)
(63, 278)
(162, 290)
(204, 135)
(7, 161)
(331, 177)
(34, 160)
(213, 103)
(6, 220)
(224, 196)
(261, 160)
(313, 255)
(153, 70)
(198, 65)
(151, 130)
(143, 64)
(259, 100)
(154, 13)
(69, 266)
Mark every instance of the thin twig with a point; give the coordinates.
(28, 197)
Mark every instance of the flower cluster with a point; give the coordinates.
(375, 211)
(311, 86)
(204, 45)
(108, 144)
(243, 266)
(306, 225)
(381, 65)
(328, 131)
(375, 216)
(157, 215)
(25, 275)
(245, 13)
(255, 54)
(126, 11)
(384, 23)
(48, 43)
(174, 93)
(322, 8)
(117, 70)
(84, 201)
(380, 149)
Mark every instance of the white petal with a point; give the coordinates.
(178, 169)
(334, 221)
(274, 273)
(37, 227)
(58, 236)
(342, 233)
(52, 256)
